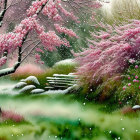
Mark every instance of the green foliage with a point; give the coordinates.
(131, 94)
(62, 117)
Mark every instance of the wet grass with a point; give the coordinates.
(66, 117)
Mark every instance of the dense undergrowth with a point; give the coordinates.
(87, 113)
(122, 89)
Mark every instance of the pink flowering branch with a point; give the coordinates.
(8, 71)
(110, 51)
(61, 29)
(52, 10)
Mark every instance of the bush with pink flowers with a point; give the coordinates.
(109, 52)
(122, 89)
(103, 66)
(129, 89)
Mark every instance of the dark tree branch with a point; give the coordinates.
(5, 53)
(8, 71)
(3, 12)
(30, 52)
(27, 47)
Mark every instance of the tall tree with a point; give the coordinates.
(30, 35)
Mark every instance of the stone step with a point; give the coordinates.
(63, 81)
(63, 75)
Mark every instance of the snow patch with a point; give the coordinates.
(60, 91)
(8, 88)
(22, 80)
(37, 91)
(26, 88)
(20, 85)
(32, 79)
(65, 62)
(136, 107)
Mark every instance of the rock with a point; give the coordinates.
(136, 107)
(27, 89)
(31, 80)
(65, 62)
(22, 80)
(36, 91)
(20, 85)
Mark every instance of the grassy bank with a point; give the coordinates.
(64, 117)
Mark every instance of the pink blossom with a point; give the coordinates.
(50, 9)
(37, 56)
(129, 84)
(132, 61)
(134, 80)
(67, 14)
(50, 40)
(136, 77)
(136, 66)
(36, 5)
(124, 88)
(3, 61)
(39, 50)
(65, 30)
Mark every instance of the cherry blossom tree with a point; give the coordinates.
(30, 35)
(110, 51)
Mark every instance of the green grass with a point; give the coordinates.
(66, 117)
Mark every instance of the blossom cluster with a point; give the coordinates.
(50, 40)
(133, 78)
(50, 9)
(36, 6)
(69, 32)
(10, 41)
(68, 14)
(110, 51)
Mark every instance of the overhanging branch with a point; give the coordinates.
(3, 12)
(7, 71)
